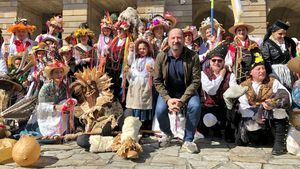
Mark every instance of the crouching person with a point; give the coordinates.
(177, 78)
(264, 106)
(215, 80)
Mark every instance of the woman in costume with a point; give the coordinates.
(241, 51)
(210, 39)
(83, 53)
(54, 110)
(190, 34)
(277, 50)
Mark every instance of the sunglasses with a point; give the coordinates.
(217, 60)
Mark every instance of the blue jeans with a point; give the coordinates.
(192, 117)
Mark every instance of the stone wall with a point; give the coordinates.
(182, 10)
(147, 8)
(74, 13)
(8, 14)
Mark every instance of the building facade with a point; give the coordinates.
(259, 13)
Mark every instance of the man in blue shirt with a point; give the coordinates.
(177, 78)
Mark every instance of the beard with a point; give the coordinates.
(177, 46)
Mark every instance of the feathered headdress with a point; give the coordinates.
(21, 24)
(56, 21)
(206, 24)
(106, 22)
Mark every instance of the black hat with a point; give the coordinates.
(281, 25)
(219, 51)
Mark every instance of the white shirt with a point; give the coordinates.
(211, 86)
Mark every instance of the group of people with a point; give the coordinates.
(236, 88)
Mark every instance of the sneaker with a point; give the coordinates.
(190, 147)
(165, 141)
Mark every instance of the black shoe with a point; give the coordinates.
(279, 152)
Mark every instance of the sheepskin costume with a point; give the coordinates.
(101, 144)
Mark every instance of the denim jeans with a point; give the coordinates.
(192, 116)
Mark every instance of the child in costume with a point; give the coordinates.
(139, 76)
(83, 52)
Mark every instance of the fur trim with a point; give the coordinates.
(131, 129)
(101, 143)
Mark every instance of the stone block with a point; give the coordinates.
(203, 164)
(74, 1)
(271, 166)
(179, 8)
(11, 3)
(73, 18)
(249, 165)
(75, 6)
(285, 161)
(165, 159)
(254, 8)
(248, 154)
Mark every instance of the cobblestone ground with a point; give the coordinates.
(216, 155)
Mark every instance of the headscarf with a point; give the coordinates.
(275, 27)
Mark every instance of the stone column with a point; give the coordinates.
(8, 14)
(74, 13)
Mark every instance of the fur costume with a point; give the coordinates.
(101, 144)
(131, 15)
(126, 144)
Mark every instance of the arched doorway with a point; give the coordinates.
(287, 11)
(222, 13)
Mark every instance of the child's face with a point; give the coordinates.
(40, 54)
(17, 63)
(142, 29)
(142, 49)
(106, 31)
(149, 37)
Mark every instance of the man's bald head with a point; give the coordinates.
(175, 39)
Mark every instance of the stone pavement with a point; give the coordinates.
(216, 155)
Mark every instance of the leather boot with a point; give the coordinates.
(280, 134)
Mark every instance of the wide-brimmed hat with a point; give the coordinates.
(50, 38)
(206, 24)
(64, 49)
(82, 32)
(168, 16)
(21, 26)
(294, 65)
(11, 83)
(55, 65)
(192, 30)
(232, 29)
(40, 47)
(157, 22)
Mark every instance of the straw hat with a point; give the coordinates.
(40, 47)
(232, 29)
(21, 26)
(294, 65)
(192, 30)
(206, 24)
(55, 65)
(156, 22)
(6, 80)
(50, 38)
(64, 49)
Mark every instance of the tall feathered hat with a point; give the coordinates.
(131, 16)
(206, 24)
(21, 24)
(106, 22)
(56, 21)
